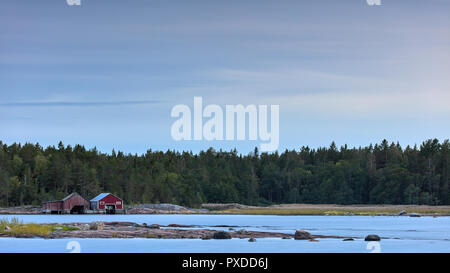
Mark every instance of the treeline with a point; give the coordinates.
(384, 173)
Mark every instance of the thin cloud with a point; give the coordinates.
(77, 103)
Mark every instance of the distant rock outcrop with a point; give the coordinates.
(161, 208)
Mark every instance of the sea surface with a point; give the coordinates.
(399, 234)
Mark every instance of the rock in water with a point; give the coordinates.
(241, 231)
(222, 235)
(372, 237)
(414, 215)
(348, 239)
(252, 240)
(302, 235)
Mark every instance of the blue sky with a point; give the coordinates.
(107, 73)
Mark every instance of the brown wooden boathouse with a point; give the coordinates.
(73, 203)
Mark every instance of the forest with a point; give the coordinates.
(383, 173)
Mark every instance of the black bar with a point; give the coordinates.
(233, 262)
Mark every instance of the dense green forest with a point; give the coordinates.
(378, 174)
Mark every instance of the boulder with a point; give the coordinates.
(372, 237)
(101, 225)
(97, 225)
(414, 215)
(302, 235)
(222, 235)
(241, 232)
(348, 239)
(400, 213)
(252, 240)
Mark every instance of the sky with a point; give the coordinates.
(107, 73)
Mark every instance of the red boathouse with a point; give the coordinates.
(107, 203)
(73, 203)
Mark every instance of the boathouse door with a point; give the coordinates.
(110, 209)
(77, 210)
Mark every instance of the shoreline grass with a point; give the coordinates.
(16, 228)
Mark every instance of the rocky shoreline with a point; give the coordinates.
(282, 209)
(172, 231)
(136, 209)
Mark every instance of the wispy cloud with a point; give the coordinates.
(384, 106)
(77, 103)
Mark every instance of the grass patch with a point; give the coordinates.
(63, 228)
(150, 235)
(14, 227)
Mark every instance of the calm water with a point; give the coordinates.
(399, 234)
